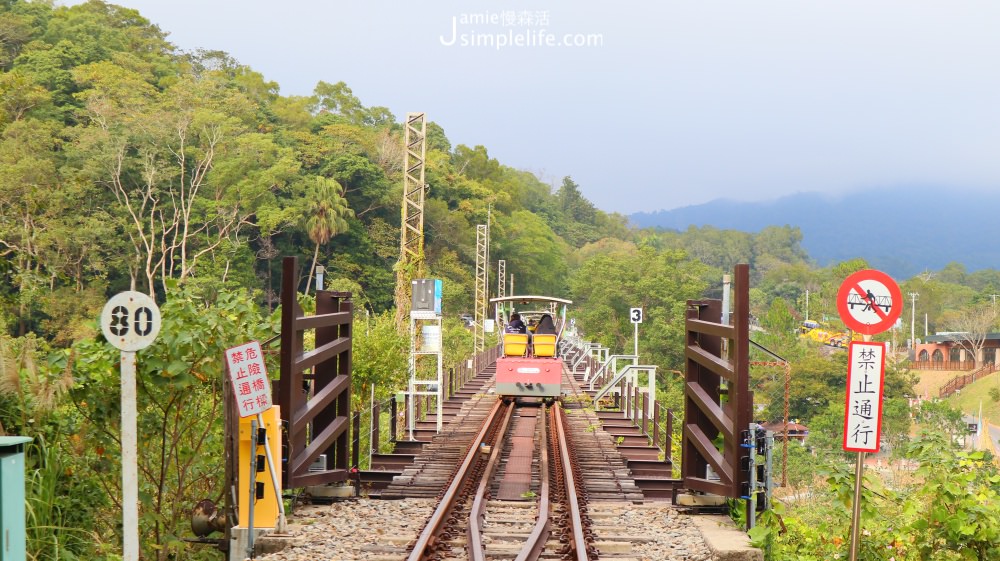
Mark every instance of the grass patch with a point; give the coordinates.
(971, 396)
(932, 380)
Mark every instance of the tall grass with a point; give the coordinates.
(47, 535)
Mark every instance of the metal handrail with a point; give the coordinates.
(612, 360)
(621, 374)
(962, 380)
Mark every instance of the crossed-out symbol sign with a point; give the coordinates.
(869, 302)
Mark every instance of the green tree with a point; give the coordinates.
(606, 286)
(534, 253)
(956, 509)
(180, 402)
(780, 328)
(379, 357)
(476, 163)
(338, 99)
(185, 157)
(324, 214)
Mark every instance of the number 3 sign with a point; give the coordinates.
(130, 321)
(635, 315)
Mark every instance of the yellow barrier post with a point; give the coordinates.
(266, 507)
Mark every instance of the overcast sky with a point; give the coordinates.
(665, 104)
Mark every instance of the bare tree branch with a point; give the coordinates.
(972, 326)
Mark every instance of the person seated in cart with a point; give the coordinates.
(545, 326)
(515, 325)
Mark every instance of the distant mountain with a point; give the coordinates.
(901, 231)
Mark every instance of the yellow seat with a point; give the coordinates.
(515, 344)
(544, 345)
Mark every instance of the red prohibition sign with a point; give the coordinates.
(869, 302)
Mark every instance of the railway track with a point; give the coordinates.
(510, 513)
(515, 517)
(493, 486)
(513, 481)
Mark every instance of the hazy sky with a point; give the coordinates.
(671, 103)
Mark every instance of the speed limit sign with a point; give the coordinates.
(635, 314)
(130, 321)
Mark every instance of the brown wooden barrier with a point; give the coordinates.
(706, 416)
(314, 389)
(942, 365)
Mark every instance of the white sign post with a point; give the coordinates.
(130, 322)
(863, 416)
(869, 302)
(635, 315)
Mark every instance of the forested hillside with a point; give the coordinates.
(128, 163)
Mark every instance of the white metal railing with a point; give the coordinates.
(632, 371)
(612, 361)
(587, 350)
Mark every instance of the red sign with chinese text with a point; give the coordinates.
(863, 411)
(248, 374)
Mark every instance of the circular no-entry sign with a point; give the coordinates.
(869, 302)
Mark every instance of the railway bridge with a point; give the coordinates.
(590, 475)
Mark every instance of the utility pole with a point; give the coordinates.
(807, 304)
(411, 239)
(913, 323)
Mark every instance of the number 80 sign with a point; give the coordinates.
(130, 321)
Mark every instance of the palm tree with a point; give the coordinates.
(324, 215)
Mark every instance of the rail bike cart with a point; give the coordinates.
(529, 364)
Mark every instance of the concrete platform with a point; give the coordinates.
(725, 540)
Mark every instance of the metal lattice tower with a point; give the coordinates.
(482, 263)
(501, 281)
(411, 242)
(501, 278)
(482, 235)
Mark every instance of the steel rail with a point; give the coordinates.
(533, 547)
(578, 544)
(427, 537)
(474, 531)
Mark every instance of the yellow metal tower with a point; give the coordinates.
(411, 243)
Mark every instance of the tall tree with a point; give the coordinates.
(324, 214)
(184, 166)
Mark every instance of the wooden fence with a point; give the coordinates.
(962, 380)
(942, 365)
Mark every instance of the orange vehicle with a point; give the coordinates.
(815, 331)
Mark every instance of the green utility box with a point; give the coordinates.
(12, 525)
